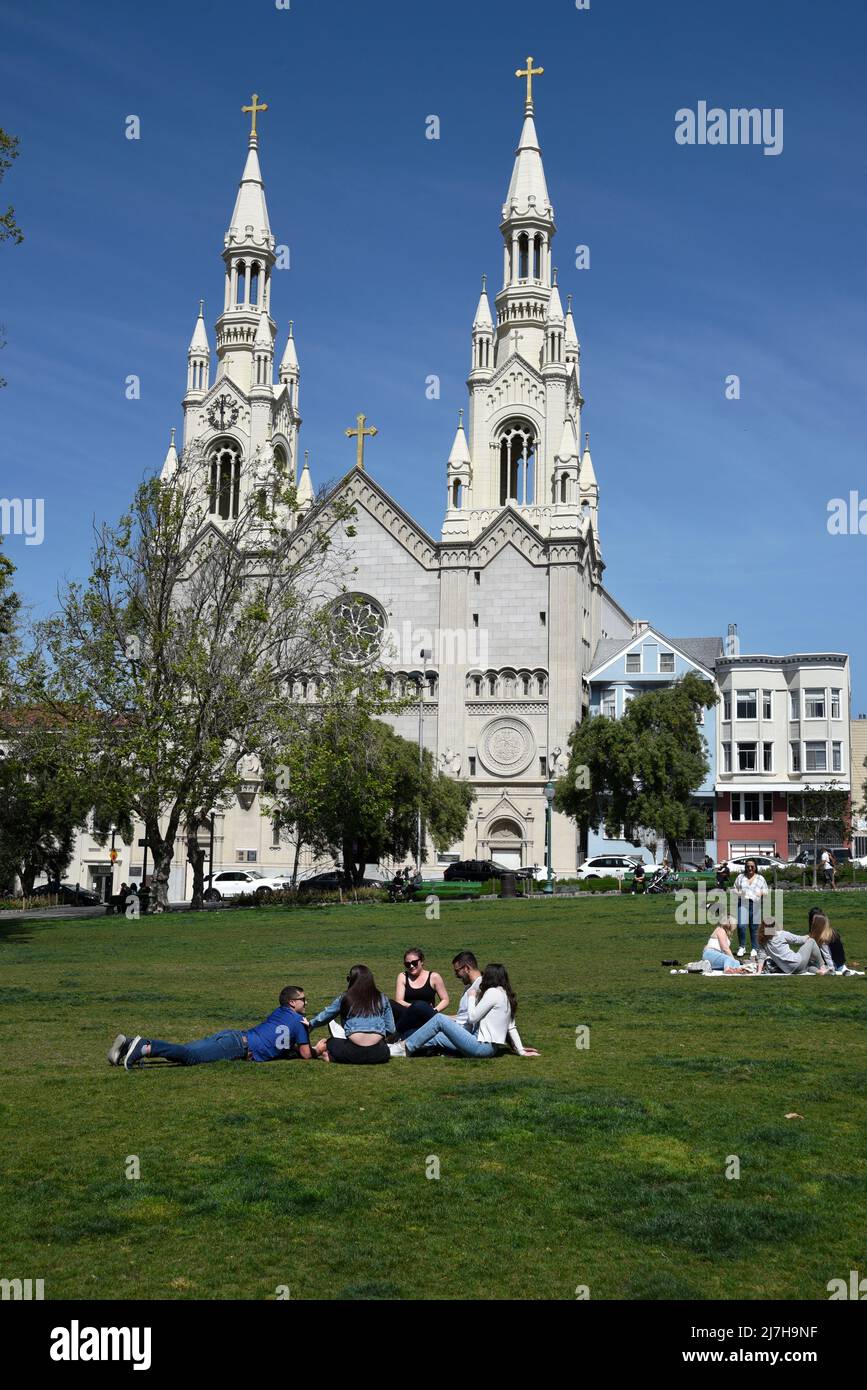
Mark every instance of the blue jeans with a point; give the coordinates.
(227, 1046)
(718, 959)
(443, 1032)
(748, 906)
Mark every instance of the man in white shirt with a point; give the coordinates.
(466, 968)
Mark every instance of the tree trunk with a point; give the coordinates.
(673, 854)
(163, 851)
(297, 858)
(196, 858)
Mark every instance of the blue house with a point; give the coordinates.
(623, 668)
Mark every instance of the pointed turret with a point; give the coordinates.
(263, 354)
(170, 466)
(305, 485)
(483, 320)
(459, 472)
(483, 334)
(573, 347)
(199, 356)
(555, 307)
(289, 361)
(588, 487)
(249, 225)
(527, 187)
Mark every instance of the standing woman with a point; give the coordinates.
(751, 887)
(366, 1017)
(418, 995)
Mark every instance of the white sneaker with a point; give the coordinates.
(397, 1049)
(754, 955)
(740, 950)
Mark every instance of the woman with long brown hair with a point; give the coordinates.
(366, 1017)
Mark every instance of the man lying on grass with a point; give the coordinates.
(283, 1035)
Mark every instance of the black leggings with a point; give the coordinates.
(344, 1050)
(407, 1020)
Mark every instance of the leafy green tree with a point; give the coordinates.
(819, 816)
(10, 607)
(643, 769)
(355, 787)
(173, 664)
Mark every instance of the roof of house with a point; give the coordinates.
(703, 650)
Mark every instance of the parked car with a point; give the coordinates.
(473, 871)
(608, 866)
(231, 883)
(842, 856)
(764, 863)
(331, 879)
(68, 893)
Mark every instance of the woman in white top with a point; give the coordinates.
(491, 1015)
(751, 888)
(719, 952)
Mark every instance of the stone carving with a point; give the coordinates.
(451, 762)
(507, 746)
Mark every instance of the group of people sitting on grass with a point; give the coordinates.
(778, 952)
(365, 1026)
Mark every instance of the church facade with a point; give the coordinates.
(493, 624)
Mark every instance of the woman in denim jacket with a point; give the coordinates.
(366, 1017)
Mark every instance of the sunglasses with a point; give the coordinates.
(410, 963)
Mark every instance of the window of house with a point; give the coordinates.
(814, 704)
(543, 766)
(746, 757)
(472, 762)
(246, 856)
(727, 757)
(767, 704)
(794, 697)
(816, 756)
(836, 757)
(727, 706)
(752, 806)
(666, 661)
(609, 705)
(767, 757)
(633, 663)
(835, 704)
(795, 754)
(746, 704)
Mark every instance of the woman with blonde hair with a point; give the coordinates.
(718, 950)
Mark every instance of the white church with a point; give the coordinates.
(496, 622)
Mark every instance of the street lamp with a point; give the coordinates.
(549, 805)
(424, 658)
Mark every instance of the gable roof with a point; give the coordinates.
(703, 651)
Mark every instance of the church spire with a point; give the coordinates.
(249, 253)
(199, 356)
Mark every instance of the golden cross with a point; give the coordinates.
(529, 72)
(254, 109)
(361, 432)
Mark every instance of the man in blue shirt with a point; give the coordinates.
(281, 1036)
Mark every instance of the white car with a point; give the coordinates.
(763, 863)
(608, 866)
(231, 883)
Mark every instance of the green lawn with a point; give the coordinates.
(602, 1167)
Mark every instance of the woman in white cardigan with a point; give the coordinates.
(491, 1023)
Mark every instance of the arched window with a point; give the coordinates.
(240, 281)
(563, 487)
(456, 493)
(517, 441)
(523, 256)
(254, 283)
(537, 256)
(225, 489)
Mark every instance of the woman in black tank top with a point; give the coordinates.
(419, 994)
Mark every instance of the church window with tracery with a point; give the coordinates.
(225, 483)
(517, 451)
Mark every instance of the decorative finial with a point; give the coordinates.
(461, 418)
(201, 307)
(306, 458)
(172, 440)
(254, 109)
(484, 283)
(568, 304)
(587, 440)
(555, 275)
(291, 321)
(529, 72)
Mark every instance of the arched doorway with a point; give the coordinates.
(506, 844)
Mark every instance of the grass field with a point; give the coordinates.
(602, 1167)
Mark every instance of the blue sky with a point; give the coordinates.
(705, 261)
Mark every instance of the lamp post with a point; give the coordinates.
(549, 803)
(424, 657)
